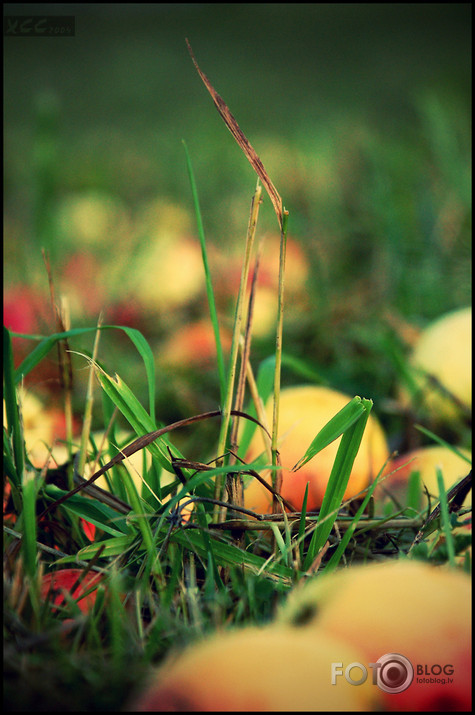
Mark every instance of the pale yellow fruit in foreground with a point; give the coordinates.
(304, 410)
(444, 352)
(397, 607)
(425, 461)
(257, 669)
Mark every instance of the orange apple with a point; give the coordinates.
(193, 345)
(257, 670)
(397, 608)
(441, 362)
(304, 410)
(425, 461)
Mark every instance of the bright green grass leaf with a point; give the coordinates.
(338, 481)
(339, 551)
(115, 546)
(414, 491)
(138, 418)
(28, 522)
(445, 518)
(341, 422)
(142, 517)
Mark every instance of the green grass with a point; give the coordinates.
(168, 581)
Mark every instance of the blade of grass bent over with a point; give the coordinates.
(338, 424)
(241, 139)
(46, 343)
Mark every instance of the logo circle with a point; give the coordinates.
(395, 673)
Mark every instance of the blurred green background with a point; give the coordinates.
(361, 114)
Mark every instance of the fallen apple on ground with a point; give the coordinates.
(425, 461)
(76, 583)
(257, 670)
(441, 364)
(192, 345)
(304, 410)
(406, 608)
(44, 430)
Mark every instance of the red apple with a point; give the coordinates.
(73, 581)
(193, 345)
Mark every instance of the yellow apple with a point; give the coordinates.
(171, 274)
(304, 410)
(406, 608)
(92, 218)
(441, 362)
(44, 429)
(425, 461)
(257, 670)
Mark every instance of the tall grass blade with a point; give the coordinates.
(28, 522)
(338, 481)
(209, 285)
(445, 518)
(340, 550)
(11, 408)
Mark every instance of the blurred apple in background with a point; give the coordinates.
(425, 461)
(169, 273)
(73, 581)
(441, 365)
(268, 669)
(25, 309)
(403, 607)
(92, 219)
(44, 429)
(304, 411)
(193, 345)
(166, 270)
